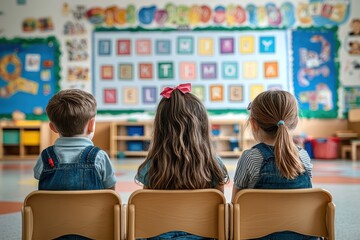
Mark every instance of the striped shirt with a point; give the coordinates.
(248, 167)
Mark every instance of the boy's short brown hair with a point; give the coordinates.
(70, 110)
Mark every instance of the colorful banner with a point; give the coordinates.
(227, 68)
(272, 14)
(315, 71)
(29, 74)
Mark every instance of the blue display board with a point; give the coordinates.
(315, 71)
(29, 74)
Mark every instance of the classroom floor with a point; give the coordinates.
(341, 178)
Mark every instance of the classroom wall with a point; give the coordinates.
(12, 14)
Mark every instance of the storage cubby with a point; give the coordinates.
(23, 139)
(132, 138)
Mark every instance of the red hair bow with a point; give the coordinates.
(184, 88)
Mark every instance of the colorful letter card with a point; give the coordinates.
(236, 93)
(271, 70)
(104, 47)
(107, 72)
(149, 95)
(267, 44)
(206, 46)
(110, 95)
(166, 70)
(124, 47)
(143, 46)
(226, 45)
(187, 71)
(145, 71)
(163, 47)
(230, 70)
(185, 45)
(247, 44)
(216, 93)
(208, 70)
(250, 70)
(199, 91)
(126, 71)
(130, 95)
(255, 90)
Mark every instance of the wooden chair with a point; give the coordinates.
(351, 135)
(199, 212)
(95, 214)
(260, 212)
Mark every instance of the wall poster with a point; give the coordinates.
(227, 67)
(316, 71)
(29, 74)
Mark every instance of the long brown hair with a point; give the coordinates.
(181, 155)
(267, 109)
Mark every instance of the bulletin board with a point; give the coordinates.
(227, 67)
(315, 70)
(29, 74)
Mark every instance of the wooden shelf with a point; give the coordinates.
(131, 139)
(23, 141)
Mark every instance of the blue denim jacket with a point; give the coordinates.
(270, 178)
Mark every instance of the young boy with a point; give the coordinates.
(73, 163)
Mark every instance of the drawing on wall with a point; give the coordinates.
(130, 69)
(315, 71)
(29, 74)
(352, 98)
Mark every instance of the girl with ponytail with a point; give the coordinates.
(275, 162)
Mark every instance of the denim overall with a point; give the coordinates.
(270, 178)
(81, 175)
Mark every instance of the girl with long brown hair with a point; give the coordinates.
(181, 155)
(276, 162)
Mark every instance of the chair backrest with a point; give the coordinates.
(199, 212)
(92, 213)
(260, 212)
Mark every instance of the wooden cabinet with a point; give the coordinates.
(132, 139)
(23, 140)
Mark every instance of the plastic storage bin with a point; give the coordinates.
(135, 130)
(135, 146)
(30, 137)
(326, 148)
(11, 136)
